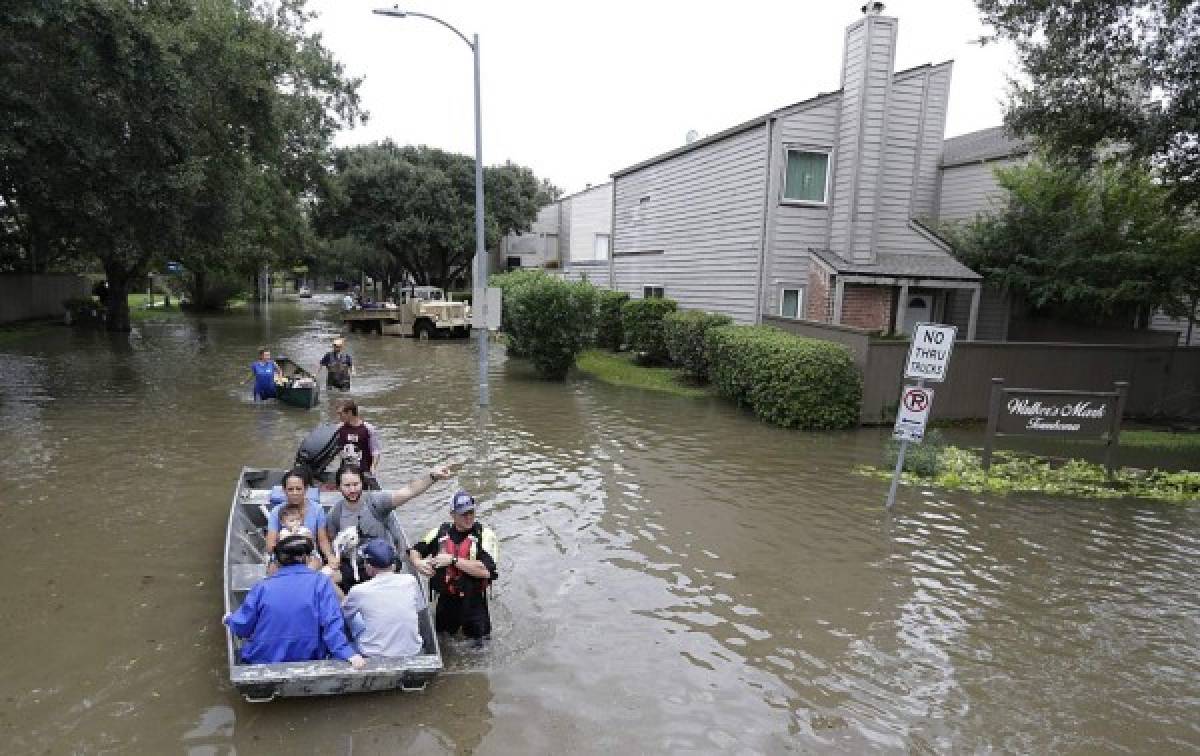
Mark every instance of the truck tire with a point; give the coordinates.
(424, 331)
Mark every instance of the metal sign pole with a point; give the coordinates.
(891, 497)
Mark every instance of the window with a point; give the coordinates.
(639, 212)
(791, 303)
(600, 247)
(512, 262)
(653, 291)
(807, 175)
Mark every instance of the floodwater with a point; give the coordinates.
(676, 577)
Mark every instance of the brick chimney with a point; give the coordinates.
(867, 65)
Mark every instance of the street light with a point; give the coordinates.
(478, 290)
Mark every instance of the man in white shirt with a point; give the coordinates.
(387, 605)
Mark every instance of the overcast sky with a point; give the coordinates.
(577, 90)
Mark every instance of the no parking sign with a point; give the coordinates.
(915, 402)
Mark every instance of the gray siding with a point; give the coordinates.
(866, 81)
(969, 189)
(701, 223)
(917, 107)
(590, 214)
(535, 247)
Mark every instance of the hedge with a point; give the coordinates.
(684, 334)
(609, 333)
(786, 380)
(508, 283)
(642, 320)
(551, 321)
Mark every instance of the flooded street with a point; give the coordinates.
(675, 576)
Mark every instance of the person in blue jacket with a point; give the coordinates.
(293, 615)
(265, 374)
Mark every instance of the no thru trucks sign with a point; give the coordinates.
(929, 355)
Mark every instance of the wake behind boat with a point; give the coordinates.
(246, 564)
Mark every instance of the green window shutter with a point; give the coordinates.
(806, 176)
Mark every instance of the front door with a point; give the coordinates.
(919, 310)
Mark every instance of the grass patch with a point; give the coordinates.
(619, 369)
(962, 470)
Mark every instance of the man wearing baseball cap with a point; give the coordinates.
(387, 605)
(339, 366)
(460, 557)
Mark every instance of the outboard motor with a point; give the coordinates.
(318, 449)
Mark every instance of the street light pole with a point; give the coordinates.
(480, 272)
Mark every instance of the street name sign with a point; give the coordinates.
(929, 355)
(915, 402)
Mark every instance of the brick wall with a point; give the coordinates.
(868, 307)
(819, 306)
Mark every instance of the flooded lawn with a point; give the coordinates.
(675, 576)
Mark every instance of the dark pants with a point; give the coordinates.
(468, 613)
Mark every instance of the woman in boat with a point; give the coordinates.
(300, 498)
(360, 515)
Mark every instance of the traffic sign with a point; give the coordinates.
(929, 355)
(915, 402)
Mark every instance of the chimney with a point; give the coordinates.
(867, 66)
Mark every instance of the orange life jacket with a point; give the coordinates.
(464, 549)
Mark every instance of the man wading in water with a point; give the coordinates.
(339, 366)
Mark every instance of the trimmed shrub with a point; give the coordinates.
(609, 333)
(551, 321)
(642, 321)
(786, 380)
(509, 283)
(684, 334)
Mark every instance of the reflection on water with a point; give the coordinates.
(674, 575)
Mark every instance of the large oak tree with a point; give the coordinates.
(143, 129)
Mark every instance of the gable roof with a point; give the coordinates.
(899, 265)
(985, 144)
(746, 125)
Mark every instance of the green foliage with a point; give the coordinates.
(962, 469)
(1108, 72)
(551, 321)
(922, 458)
(786, 380)
(685, 333)
(642, 322)
(412, 209)
(1089, 244)
(509, 283)
(609, 333)
(135, 128)
(620, 370)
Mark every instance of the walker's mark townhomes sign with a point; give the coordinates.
(1051, 412)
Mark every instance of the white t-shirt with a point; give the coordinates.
(388, 604)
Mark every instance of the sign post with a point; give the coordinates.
(928, 360)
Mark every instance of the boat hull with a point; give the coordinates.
(245, 565)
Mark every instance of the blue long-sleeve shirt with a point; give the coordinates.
(293, 615)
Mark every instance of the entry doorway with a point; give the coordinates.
(918, 310)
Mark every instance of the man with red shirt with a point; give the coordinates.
(357, 439)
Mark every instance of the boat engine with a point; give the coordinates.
(318, 449)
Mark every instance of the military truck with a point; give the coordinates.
(423, 312)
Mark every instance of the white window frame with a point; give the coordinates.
(662, 291)
(828, 153)
(607, 246)
(783, 290)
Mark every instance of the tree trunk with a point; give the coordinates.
(200, 290)
(117, 304)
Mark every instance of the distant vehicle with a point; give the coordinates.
(424, 312)
(304, 292)
(174, 268)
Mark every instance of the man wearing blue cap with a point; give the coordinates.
(386, 605)
(460, 556)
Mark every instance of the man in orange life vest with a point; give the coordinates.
(460, 556)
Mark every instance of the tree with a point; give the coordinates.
(411, 210)
(1108, 73)
(135, 130)
(1090, 244)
